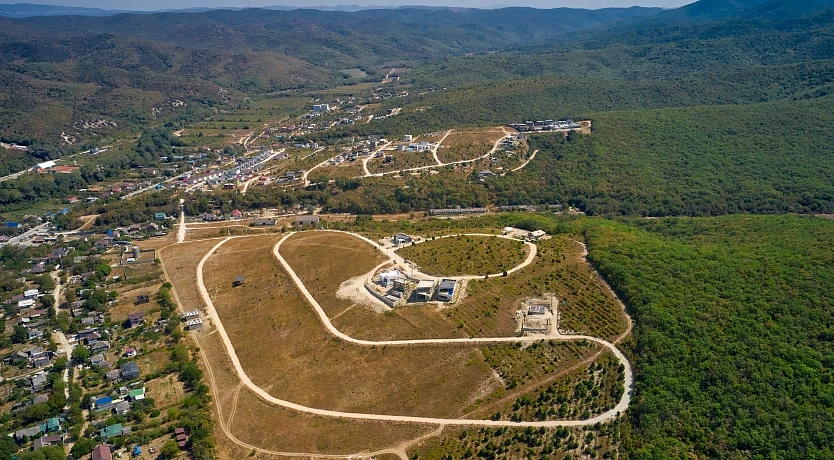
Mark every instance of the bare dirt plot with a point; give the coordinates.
(400, 160)
(466, 255)
(318, 434)
(468, 145)
(180, 262)
(284, 349)
(87, 222)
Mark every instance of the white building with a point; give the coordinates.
(44, 166)
(386, 278)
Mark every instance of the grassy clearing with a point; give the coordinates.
(489, 306)
(516, 443)
(585, 392)
(166, 391)
(462, 146)
(466, 255)
(348, 169)
(400, 161)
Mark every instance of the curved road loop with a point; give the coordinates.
(621, 406)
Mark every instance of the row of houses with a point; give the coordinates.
(120, 404)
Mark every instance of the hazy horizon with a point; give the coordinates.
(153, 5)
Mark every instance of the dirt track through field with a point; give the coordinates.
(213, 315)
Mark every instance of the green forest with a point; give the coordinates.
(733, 338)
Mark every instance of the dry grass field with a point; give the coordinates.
(284, 349)
(489, 306)
(199, 233)
(466, 255)
(400, 161)
(266, 426)
(346, 170)
(165, 391)
(256, 423)
(467, 145)
(127, 301)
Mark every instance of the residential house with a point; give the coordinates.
(46, 441)
(402, 238)
(237, 214)
(121, 407)
(111, 431)
(194, 324)
(98, 360)
(27, 433)
(424, 290)
(446, 290)
(102, 452)
(37, 382)
(101, 345)
(137, 394)
(130, 370)
(35, 333)
(130, 352)
(136, 319)
(113, 375)
(189, 315)
(103, 403)
(159, 216)
(52, 425)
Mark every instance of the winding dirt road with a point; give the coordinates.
(621, 406)
(531, 255)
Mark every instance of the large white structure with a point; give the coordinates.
(44, 166)
(388, 277)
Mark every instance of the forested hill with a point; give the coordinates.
(362, 37)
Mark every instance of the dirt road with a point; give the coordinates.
(621, 406)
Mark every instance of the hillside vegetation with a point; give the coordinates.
(733, 333)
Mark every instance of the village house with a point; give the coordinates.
(136, 319)
(102, 452)
(130, 370)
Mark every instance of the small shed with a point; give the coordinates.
(239, 281)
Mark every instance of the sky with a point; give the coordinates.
(150, 5)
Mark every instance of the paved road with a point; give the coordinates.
(621, 406)
(24, 236)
